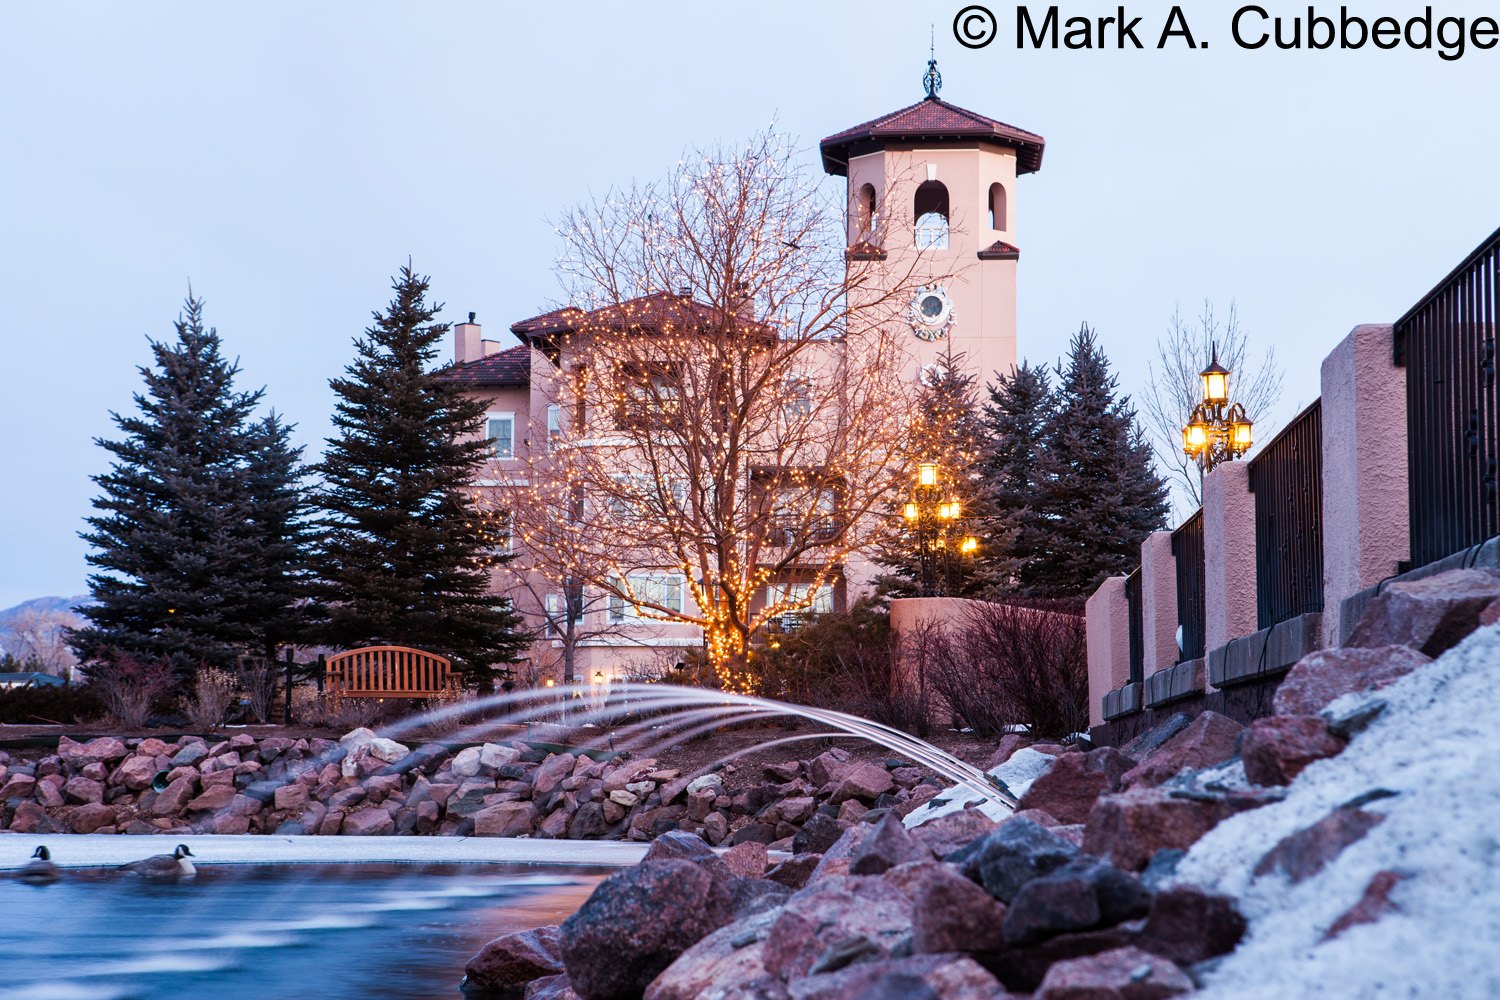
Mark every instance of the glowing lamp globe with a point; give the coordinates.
(1215, 381)
(1195, 437)
(1239, 432)
(927, 475)
(909, 511)
(970, 544)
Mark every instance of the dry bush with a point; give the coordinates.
(129, 687)
(1015, 664)
(213, 694)
(257, 679)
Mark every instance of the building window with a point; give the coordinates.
(554, 616)
(822, 602)
(930, 208)
(554, 426)
(655, 590)
(997, 207)
(864, 211)
(501, 431)
(799, 396)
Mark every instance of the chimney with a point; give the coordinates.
(466, 341)
(744, 303)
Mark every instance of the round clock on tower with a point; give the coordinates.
(932, 191)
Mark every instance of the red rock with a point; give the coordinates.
(101, 750)
(636, 923)
(1210, 739)
(230, 824)
(17, 786)
(513, 960)
(829, 911)
(1322, 676)
(1277, 749)
(1374, 904)
(370, 822)
(865, 782)
(1081, 895)
(1129, 828)
(951, 913)
(917, 977)
(553, 770)
(292, 798)
(1431, 615)
(1121, 974)
(1068, 788)
(1009, 744)
(135, 773)
(30, 817)
(795, 870)
(723, 957)
(1491, 613)
(506, 819)
(89, 818)
(555, 826)
(828, 766)
(49, 791)
(212, 800)
(1188, 925)
(955, 830)
(1303, 854)
(174, 797)
(746, 860)
(886, 846)
(552, 988)
(83, 790)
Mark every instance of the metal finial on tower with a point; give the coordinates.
(932, 80)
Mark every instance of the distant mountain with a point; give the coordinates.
(42, 604)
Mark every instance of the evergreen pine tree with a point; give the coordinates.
(281, 535)
(945, 430)
(169, 539)
(1015, 420)
(1102, 494)
(404, 555)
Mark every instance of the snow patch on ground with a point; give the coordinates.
(1436, 746)
(1023, 767)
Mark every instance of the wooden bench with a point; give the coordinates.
(388, 672)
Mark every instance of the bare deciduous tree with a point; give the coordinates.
(1174, 388)
(39, 637)
(733, 399)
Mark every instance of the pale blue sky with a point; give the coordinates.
(287, 158)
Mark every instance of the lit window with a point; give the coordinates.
(554, 425)
(654, 590)
(799, 393)
(822, 602)
(501, 431)
(554, 616)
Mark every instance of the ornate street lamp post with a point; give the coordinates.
(1218, 430)
(939, 525)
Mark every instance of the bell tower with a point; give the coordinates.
(932, 192)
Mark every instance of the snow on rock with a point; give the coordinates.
(1435, 747)
(1023, 767)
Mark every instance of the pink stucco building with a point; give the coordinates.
(931, 190)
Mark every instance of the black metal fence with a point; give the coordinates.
(1447, 343)
(1287, 480)
(1137, 627)
(1187, 552)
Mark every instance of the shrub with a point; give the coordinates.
(65, 705)
(257, 679)
(1023, 663)
(129, 687)
(213, 694)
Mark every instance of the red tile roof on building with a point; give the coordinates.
(644, 314)
(509, 367)
(931, 120)
(999, 250)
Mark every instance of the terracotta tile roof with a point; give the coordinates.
(510, 367)
(644, 314)
(929, 120)
(999, 250)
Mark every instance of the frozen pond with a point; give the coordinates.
(270, 931)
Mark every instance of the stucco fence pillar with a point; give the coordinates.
(1107, 620)
(1158, 603)
(910, 616)
(1365, 528)
(1228, 554)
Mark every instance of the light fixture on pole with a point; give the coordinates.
(1217, 431)
(939, 524)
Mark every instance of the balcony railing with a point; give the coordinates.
(1447, 344)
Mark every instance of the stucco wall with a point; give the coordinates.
(1158, 602)
(1365, 527)
(1107, 618)
(1228, 554)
